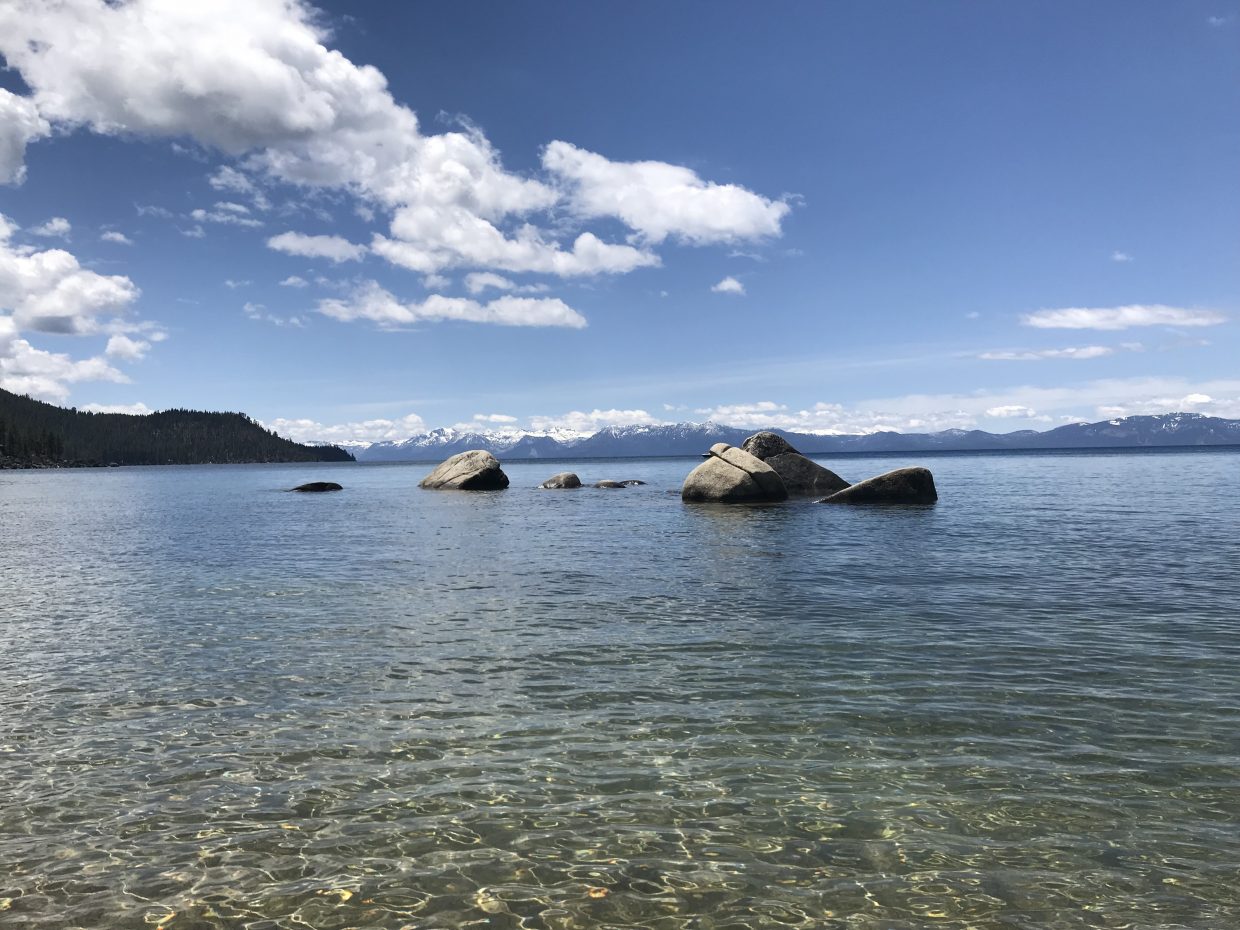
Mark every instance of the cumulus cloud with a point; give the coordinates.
(255, 80)
(56, 228)
(27, 370)
(118, 237)
(1034, 355)
(658, 200)
(20, 124)
(371, 302)
(729, 285)
(478, 281)
(122, 346)
(333, 248)
(1122, 257)
(49, 291)
(294, 280)
(354, 433)
(494, 418)
(1115, 318)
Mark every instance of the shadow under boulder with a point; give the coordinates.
(902, 486)
(733, 476)
(801, 476)
(475, 470)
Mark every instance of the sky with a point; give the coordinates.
(356, 222)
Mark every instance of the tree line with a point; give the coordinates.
(36, 433)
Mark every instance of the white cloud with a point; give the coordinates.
(259, 313)
(256, 80)
(49, 291)
(121, 346)
(56, 228)
(294, 281)
(20, 124)
(590, 422)
(334, 248)
(227, 214)
(194, 232)
(1114, 318)
(118, 237)
(232, 284)
(372, 302)
(436, 282)
(478, 281)
(226, 178)
(494, 418)
(137, 410)
(729, 285)
(659, 200)
(27, 370)
(363, 431)
(1118, 256)
(1081, 352)
(1011, 411)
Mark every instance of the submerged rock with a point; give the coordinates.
(631, 482)
(319, 486)
(902, 486)
(610, 484)
(475, 470)
(733, 476)
(565, 479)
(800, 475)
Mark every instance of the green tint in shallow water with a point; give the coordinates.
(392, 708)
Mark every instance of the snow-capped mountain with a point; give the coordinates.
(1172, 429)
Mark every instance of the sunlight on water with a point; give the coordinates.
(224, 706)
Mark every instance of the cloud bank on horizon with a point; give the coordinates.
(257, 85)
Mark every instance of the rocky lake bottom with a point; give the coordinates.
(228, 706)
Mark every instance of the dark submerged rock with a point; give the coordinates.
(319, 486)
(475, 470)
(631, 482)
(902, 486)
(800, 475)
(610, 484)
(733, 476)
(565, 479)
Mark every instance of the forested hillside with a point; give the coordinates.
(34, 433)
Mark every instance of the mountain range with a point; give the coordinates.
(1171, 429)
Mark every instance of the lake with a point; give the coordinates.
(223, 705)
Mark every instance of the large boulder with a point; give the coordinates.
(800, 475)
(565, 479)
(733, 476)
(474, 470)
(902, 486)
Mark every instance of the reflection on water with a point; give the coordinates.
(224, 706)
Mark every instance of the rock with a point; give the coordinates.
(319, 486)
(565, 479)
(733, 476)
(766, 445)
(631, 482)
(474, 470)
(902, 486)
(610, 484)
(800, 475)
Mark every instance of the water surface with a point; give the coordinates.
(223, 705)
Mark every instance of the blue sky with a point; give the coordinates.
(356, 222)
